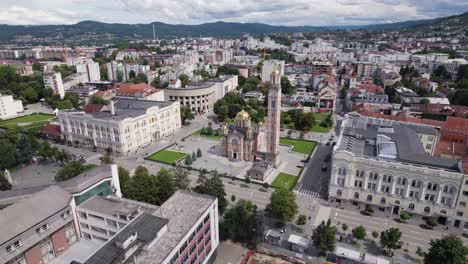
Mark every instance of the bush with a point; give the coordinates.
(375, 234)
(265, 185)
(199, 153)
(188, 160)
(405, 216)
(369, 209)
(359, 232)
(233, 198)
(344, 227)
(247, 180)
(431, 222)
(301, 220)
(420, 252)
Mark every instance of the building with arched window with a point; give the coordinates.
(383, 164)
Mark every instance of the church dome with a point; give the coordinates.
(242, 115)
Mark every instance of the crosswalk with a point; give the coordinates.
(309, 193)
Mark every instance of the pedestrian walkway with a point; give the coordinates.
(309, 193)
(323, 214)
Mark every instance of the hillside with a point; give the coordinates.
(93, 31)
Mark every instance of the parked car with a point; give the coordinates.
(324, 167)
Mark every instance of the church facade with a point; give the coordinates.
(256, 142)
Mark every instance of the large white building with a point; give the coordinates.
(268, 67)
(128, 125)
(53, 80)
(202, 97)
(384, 164)
(91, 69)
(9, 107)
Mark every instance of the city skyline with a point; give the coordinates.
(291, 13)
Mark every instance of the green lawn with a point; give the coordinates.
(300, 146)
(285, 180)
(320, 116)
(33, 121)
(166, 156)
(206, 136)
(320, 129)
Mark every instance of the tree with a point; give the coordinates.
(194, 156)
(282, 205)
(405, 216)
(145, 187)
(74, 99)
(184, 79)
(199, 153)
(460, 97)
(97, 100)
(131, 74)
(106, 158)
(70, 170)
(166, 184)
(344, 227)
(324, 238)
(242, 223)
(375, 234)
(212, 185)
(45, 151)
(186, 114)
(301, 220)
(448, 249)
(286, 86)
(4, 184)
(431, 222)
(7, 155)
(125, 183)
(227, 70)
(359, 232)
(424, 101)
(391, 240)
(65, 104)
(289, 133)
(181, 176)
(140, 78)
(188, 160)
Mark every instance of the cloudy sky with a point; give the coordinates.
(276, 12)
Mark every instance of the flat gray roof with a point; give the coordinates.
(183, 210)
(114, 205)
(403, 144)
(27, 213)
(145, 226)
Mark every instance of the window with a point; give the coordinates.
(356, 195)
(369, 197)
(99, 230)
(463, 204)
(383, 200)
(70, 234)
(47, 250)
(17, 260)
(411, 206)
(83, 215)
(9, 248)
(86, 235)
(339, 192)
(459, 213)
(96, 217)
(111, 222)
(427, 209)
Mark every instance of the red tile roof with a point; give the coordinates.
(456, 125)
(51, 130)
(93, 108)
(137, 89)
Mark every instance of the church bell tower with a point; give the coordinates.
(274, 115)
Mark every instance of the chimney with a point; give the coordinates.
(112, 107)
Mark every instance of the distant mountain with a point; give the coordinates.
(92, 30)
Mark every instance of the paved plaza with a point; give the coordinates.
(212, 160)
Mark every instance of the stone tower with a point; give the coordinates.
(274, 114)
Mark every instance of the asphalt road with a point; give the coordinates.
(314, 181)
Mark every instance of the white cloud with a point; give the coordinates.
(279, 12)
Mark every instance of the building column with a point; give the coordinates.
(379, 184)
(423, 192)
(407, 190)
(439, 196)
(366, 178)
(392, 190)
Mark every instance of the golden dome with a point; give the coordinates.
(242, 115)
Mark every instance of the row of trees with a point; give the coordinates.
(29, 89)
(297, 119)
(17, 148)
(448, 249)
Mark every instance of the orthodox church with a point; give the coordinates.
(256, 142)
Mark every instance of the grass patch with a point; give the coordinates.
(285, 180)
(167, 156)
(33, 121)
(321, 116)
(206, 136)
(320, 129)
(299, 146)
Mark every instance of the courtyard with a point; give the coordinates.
(28, 122)
(211, 159)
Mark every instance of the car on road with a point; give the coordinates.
(324, 167)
